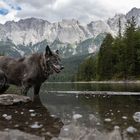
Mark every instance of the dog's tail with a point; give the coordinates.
(3, 82)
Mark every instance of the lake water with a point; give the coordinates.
(72, 115)
(89, 116)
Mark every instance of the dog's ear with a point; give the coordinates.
(57, 51)
(48, 51)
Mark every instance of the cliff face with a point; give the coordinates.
(66, 35)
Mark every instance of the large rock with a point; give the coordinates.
(12, 99)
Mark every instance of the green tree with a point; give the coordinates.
(105, 59)
(129, 40)
(87, 70)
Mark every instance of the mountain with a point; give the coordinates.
(36, 30)
(69, 36)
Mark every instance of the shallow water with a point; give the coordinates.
(117, 87)
(64, 116)
(99, 117)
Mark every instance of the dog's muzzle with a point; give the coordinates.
(58, 68)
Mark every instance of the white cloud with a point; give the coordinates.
(12, 9)
(83, 10)
(9, 17)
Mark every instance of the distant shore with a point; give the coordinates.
(105, 82)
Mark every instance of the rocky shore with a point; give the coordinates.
(22, 118)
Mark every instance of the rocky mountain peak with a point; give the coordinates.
(68, 35)
(135, 12)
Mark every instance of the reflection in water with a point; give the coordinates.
(84, 117)
(31, 118)
(90, 117)
(129, 87)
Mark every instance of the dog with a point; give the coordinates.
(30, 71)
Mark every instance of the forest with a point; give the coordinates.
(117, 59)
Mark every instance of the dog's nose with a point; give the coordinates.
(62, 67)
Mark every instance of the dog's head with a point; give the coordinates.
(52, 61)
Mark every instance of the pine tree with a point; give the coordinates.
(105, 59)
(130, 49)
(120, 28)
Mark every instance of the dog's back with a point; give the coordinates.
(13, 69)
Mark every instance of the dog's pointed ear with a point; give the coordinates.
(48, 51)
(57, 51)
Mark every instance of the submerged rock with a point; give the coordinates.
(77, 116)
(7, 117)
(107, 120)
(136, 117)
(36, 125)
(131, 130)
(12, 99)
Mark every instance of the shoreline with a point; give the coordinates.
(101, 82)
(96, 93)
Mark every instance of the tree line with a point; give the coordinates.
(117, 59)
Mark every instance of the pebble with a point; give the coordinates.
(107, 120)
(31, 110)
(66, 129)
(4, 115)
(131, 130)
(33, 114)
(124, 117)
(136, 117)
(77, 116)
(116, 127)
(98, 123)
(36, 125)
(7, 117)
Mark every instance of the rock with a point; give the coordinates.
(124, 117)
(77, 116)
(136, 117)
(36, 125)
(12, 99)
(31, 110)
(107, 120)
(31, 118)
(131, 130)
(7, 117)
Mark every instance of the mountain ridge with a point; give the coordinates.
(66, 35)
(36, 30)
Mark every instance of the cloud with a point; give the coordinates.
(8, 10)
(83, 10)
(9, 17)
(3, 11)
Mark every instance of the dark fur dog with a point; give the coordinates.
(29, 71)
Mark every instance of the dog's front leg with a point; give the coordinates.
(37, 89)
(25, 90)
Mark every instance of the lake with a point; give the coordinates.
(65, 113)
(89, 116)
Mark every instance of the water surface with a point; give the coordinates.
(66, 116)
(99, 117)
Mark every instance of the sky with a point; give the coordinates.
(55, 10)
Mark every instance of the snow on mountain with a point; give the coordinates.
(135, 12)
(97, 27)
(66, 35)
(36, 30)
(113, 23)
